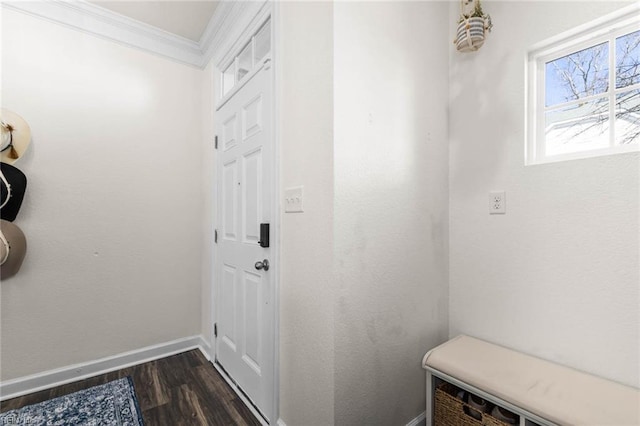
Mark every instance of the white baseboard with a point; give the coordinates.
(420, 420)
(281, 423)
(204, 347)
(72, 373)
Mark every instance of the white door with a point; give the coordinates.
(245, 319)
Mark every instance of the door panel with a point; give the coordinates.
(252, 287)
(251, 196)
(230, 200)
(252, 117)
(228, 316)
(229, 132)
(245, 343)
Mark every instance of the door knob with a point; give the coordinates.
(262, 265)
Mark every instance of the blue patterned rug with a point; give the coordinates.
(111, 404)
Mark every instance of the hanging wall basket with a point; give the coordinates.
(472, 27)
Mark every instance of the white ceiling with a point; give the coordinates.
(185, 18)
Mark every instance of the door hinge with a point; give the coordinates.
(215, 330)
(216, 141)
(215, 236)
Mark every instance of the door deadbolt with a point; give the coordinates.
(262, 265)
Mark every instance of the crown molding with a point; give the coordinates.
(214, 33)
(229, 22)
(226, 25)
(91, 19)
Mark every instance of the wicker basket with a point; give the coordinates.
(450, 411)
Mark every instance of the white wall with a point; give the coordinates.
(558, 275)
(113, 203)
(391, 172)
(305, 64)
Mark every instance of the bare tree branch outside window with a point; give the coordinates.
(585, 75)
(628, 74)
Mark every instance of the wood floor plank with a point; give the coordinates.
(196, 358)
(174, 370)
(150, 387)
(243, 415)
(159, 415)
(214, 382)
(183, 389)
(199, 411)
(220, 403)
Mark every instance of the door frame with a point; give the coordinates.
(245, 28)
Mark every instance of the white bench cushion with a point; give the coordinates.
(554, 392)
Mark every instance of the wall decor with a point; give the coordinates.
(13, 248)
(15, 137)
(472, 26)
(13, 185)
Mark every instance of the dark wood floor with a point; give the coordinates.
(182, 389)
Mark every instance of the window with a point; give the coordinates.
(250, 57)
(584, 93)
(262, 43)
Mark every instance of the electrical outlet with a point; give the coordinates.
(497, 202)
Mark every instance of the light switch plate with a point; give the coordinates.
(293, 198)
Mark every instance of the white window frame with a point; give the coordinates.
(605, 29)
